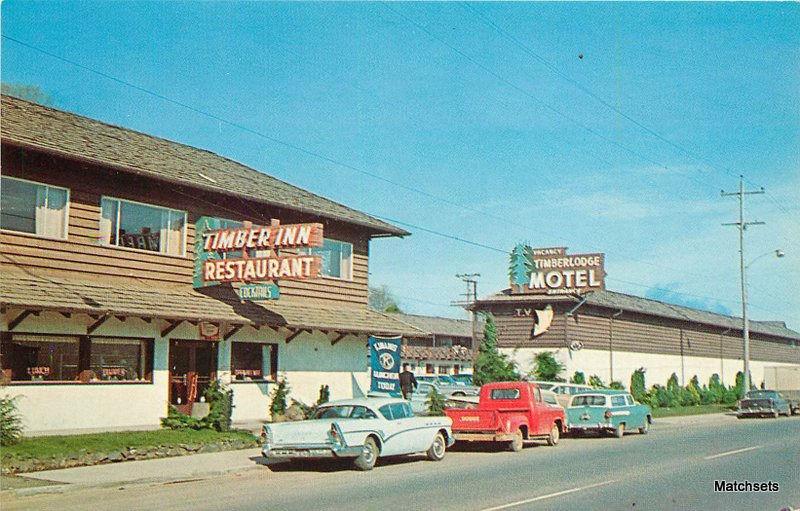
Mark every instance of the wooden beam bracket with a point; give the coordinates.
(14, 323)
(339, 338)
(99, 321)
(232, 331)
(66, 314)
(297, 332)
(171, 326)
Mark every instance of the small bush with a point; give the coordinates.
(578, 378)
(10, 422)
(616, 385)
(638, 388)
(596, 382)
(178, 420)
(546, 367)
(435, 402)
(277, 407)
(220, 400)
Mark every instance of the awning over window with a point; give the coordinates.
(64, 292)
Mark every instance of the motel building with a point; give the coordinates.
(557, 302)
(134, 271)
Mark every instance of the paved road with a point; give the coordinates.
(674, 467)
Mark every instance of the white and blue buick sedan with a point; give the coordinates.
(361, 429)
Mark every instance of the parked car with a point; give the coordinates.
(463, 379)
(785, 380)
(362, 429)
(511, 412)
(445, 384)
(611, 411)
(763, 403)
(565, 391)
(419, 399)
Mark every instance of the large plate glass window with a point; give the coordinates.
(144, 227)
(55, 358)
(337, 258)
(33, 208)
(254, 361)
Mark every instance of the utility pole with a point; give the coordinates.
(471, 279)
(742, 225)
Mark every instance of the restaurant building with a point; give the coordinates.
(134, 271)
(557, 302)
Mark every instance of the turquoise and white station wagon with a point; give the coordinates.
(612, 411)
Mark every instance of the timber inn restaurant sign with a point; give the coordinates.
(228, 252)
(552, 271)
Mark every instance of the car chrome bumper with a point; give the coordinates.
(310, 451)
(483, 437)
(748, 412)
(596, 425)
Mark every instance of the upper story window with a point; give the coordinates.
(337, 258)
(33, 208)
(144, 227)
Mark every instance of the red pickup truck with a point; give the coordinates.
(510, 412)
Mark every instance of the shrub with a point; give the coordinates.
(220, 400)
(638, 388)
(10, 422)
(435, 402)
(546, 367)
(578, 378)
(277, 407)
(616, 385)
(178, 420)
(491, 365)
(716, 390)
(596, 382)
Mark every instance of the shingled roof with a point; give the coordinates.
(456, 353)
(62, 291)
(436, 325)
(630, 303)
(69, 135)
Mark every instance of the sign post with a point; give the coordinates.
(384, 354)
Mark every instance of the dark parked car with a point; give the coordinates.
(763, 403)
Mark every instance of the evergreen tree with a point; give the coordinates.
(278, 405)
(324, 394)
(546, 367)
(638, 387)
(435, 402)
(491, 365)
(596, 382)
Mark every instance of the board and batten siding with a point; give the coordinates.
(637, 333)
(83, 252)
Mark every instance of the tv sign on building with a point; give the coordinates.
(551, 271)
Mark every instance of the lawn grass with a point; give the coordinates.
(690, 410)
(48, 447)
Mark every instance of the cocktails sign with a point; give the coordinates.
(552, 271)
(239, 252)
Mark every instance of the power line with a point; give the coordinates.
(534, 98)
(325, 158)
(525, 48)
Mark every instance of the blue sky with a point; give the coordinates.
(433, 97)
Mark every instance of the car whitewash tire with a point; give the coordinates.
(369, 455)
(620, 431)
(437, 449)
(553, 437)
(516, 444)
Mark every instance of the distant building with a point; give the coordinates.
(444, 348)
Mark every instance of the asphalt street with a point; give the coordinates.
(675, 466)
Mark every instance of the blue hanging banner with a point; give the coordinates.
(384, 355)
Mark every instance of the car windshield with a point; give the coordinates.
(589, 401)
(545, 386)
(344, 412)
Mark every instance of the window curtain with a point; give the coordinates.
(51, 206)
(171, 232)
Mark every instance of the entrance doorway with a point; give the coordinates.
(192, 368)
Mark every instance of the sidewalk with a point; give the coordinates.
(164, 469)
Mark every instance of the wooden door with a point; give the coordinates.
(192, 368)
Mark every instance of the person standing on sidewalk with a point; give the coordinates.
(408, 383)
